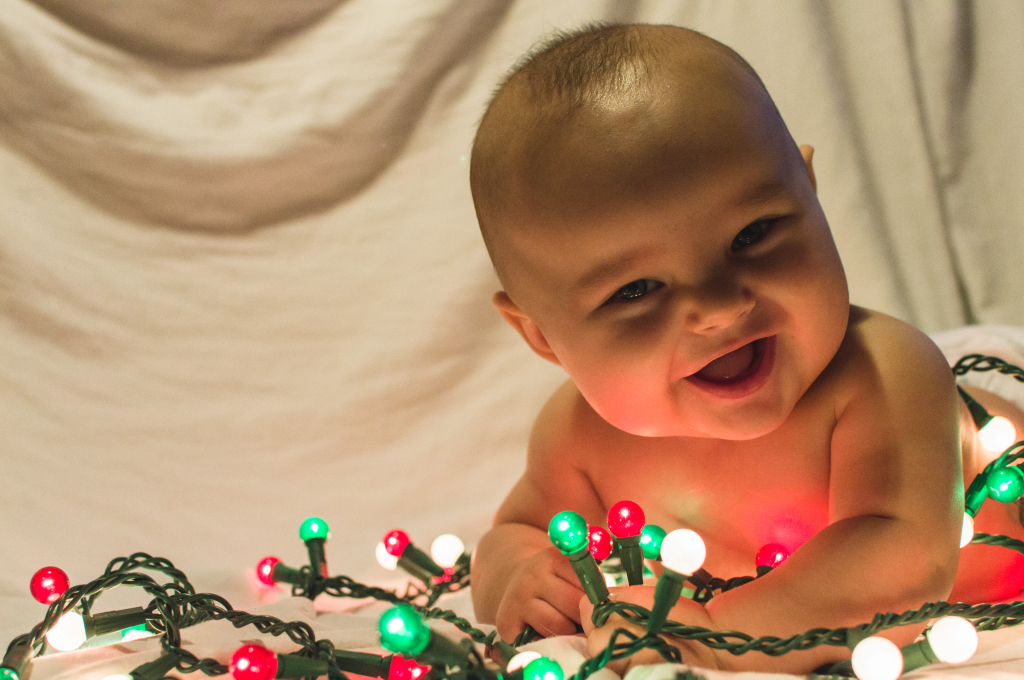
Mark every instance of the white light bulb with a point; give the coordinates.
(875, 658)
(966, 530)
(521, 659)
(683, 551)
(68, 633)
(119, 676)
(997, 435)
(386, 559)
(953, 639)
(447, 549)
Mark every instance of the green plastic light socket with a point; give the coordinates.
(631, 556)
(294, 666)
(361, 663)
(108, 622)
(419, 564)
(590, 575)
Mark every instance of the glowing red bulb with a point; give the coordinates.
(265, 570)
(48, 584)
(406, 669)
(600, 543)
(449, 573)
(771, 555)
(253, 662)
(626, 518)
(395, 542)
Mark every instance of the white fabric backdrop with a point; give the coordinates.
(241, 281)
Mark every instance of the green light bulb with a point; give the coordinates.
(1006, 484)
(314, 527)
(650, 541)
(8, 674)
(568, 531)
(543, 669)
(402, 631)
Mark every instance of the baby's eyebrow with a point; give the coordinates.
(764, 192)
(606, 271)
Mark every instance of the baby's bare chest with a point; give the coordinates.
(739, 496)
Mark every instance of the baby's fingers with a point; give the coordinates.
(547, 620)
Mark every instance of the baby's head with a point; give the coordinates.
(657, 233)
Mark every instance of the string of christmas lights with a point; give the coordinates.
(417, 651)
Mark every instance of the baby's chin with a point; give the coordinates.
(734, 428)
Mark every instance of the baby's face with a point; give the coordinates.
(689, 284)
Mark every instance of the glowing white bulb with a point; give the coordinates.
(966, 530)
(447, 549)
(68, 633)
(119, 676)
(386, 559)
(875, 658)
(953, 639)
(683, 551)
(997, 435)
(521, 659)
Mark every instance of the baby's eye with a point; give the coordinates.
(635, 290)
(751, 234)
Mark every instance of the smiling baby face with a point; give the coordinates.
(661, 240)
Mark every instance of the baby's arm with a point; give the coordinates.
(518, 577)
(896, 505)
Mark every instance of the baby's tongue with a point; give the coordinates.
(730, 365)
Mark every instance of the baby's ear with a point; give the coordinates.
(807, 151)
(525, 326)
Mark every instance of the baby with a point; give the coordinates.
(658, 235)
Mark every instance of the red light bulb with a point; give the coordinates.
(449, 572)
(626, 518)
(48, 584)
(253, 662)
(265, 570)
(771, 555)
(406, 669)
(600, 543)
(395, 542)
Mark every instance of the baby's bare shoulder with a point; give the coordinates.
(899, 421)
(566, 437)
(883, 353)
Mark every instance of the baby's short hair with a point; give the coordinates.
(571, 68)
(570, 71)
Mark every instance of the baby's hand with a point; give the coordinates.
(685, 611)
(544, 593)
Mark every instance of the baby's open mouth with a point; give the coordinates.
(735, 366)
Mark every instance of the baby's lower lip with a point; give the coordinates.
(750, 380)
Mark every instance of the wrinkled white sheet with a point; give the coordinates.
(241, 281)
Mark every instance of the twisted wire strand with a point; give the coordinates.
(983, 363)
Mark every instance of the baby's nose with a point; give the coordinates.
(717, 306)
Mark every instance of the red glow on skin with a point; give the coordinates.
(48, 584)
(265, 570)
(626, 518)
(790, 525)
(395, 542)
(600, 543)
